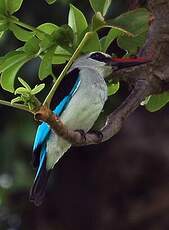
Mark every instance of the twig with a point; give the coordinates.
(15, 105)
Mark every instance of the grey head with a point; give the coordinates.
(98, 61)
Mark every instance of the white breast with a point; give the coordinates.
(81, 113)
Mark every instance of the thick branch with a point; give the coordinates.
(156, 48)
(132, 102)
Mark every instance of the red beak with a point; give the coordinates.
(128, 62)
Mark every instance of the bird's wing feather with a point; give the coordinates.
(37, 192)
(43, 130)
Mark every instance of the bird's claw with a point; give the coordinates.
(99, 134)
(82, 133)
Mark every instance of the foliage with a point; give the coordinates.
(156, 102)
(17, 129)
(55, 44)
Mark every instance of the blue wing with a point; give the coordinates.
(44, 129)
(39, 151)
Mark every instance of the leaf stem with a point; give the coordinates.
(24, 25)
(28, 27)
(49, 97)
(53, 76)
(15, 105)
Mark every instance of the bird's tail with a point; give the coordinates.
(37, 192)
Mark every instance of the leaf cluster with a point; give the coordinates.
(56, 45)
(27, 95)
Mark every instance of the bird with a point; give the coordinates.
(79, 110)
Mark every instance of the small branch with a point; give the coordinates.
(46, 115)
(24, 25)
(15, 105)
(28, 27)
(63, 73)
(54, 77)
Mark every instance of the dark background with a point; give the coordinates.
(121, 184)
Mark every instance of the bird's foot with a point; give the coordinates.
(82, 133)
(99, 134)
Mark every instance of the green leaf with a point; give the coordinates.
(156, 102)
(77, 22)
(2, 7)
(13, 5)
(8, 76)
(93, 44)
(45, 68)
(48, 28)
(58, 59)
(11, 59)
(101, 6)
(46, 43)
(132, 44)
(20, 33)
(114, 33)
(97, 21)
(50, 1)
(1, 34)
(64, 36)
(15, 100)
(135, 21)
(21, 90)
(61, 51)
(113, 88)
(3, 18)
(32, 47)
(37, 89)
(3, 26)
(24, 83)
(60, 56)
(47, 36)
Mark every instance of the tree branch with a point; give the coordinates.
(117, 118)
(113, 123)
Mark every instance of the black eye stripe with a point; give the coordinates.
(99, 57)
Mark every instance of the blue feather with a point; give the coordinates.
(44, 130)
(41, 134)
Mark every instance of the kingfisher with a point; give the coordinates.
(78, 110)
